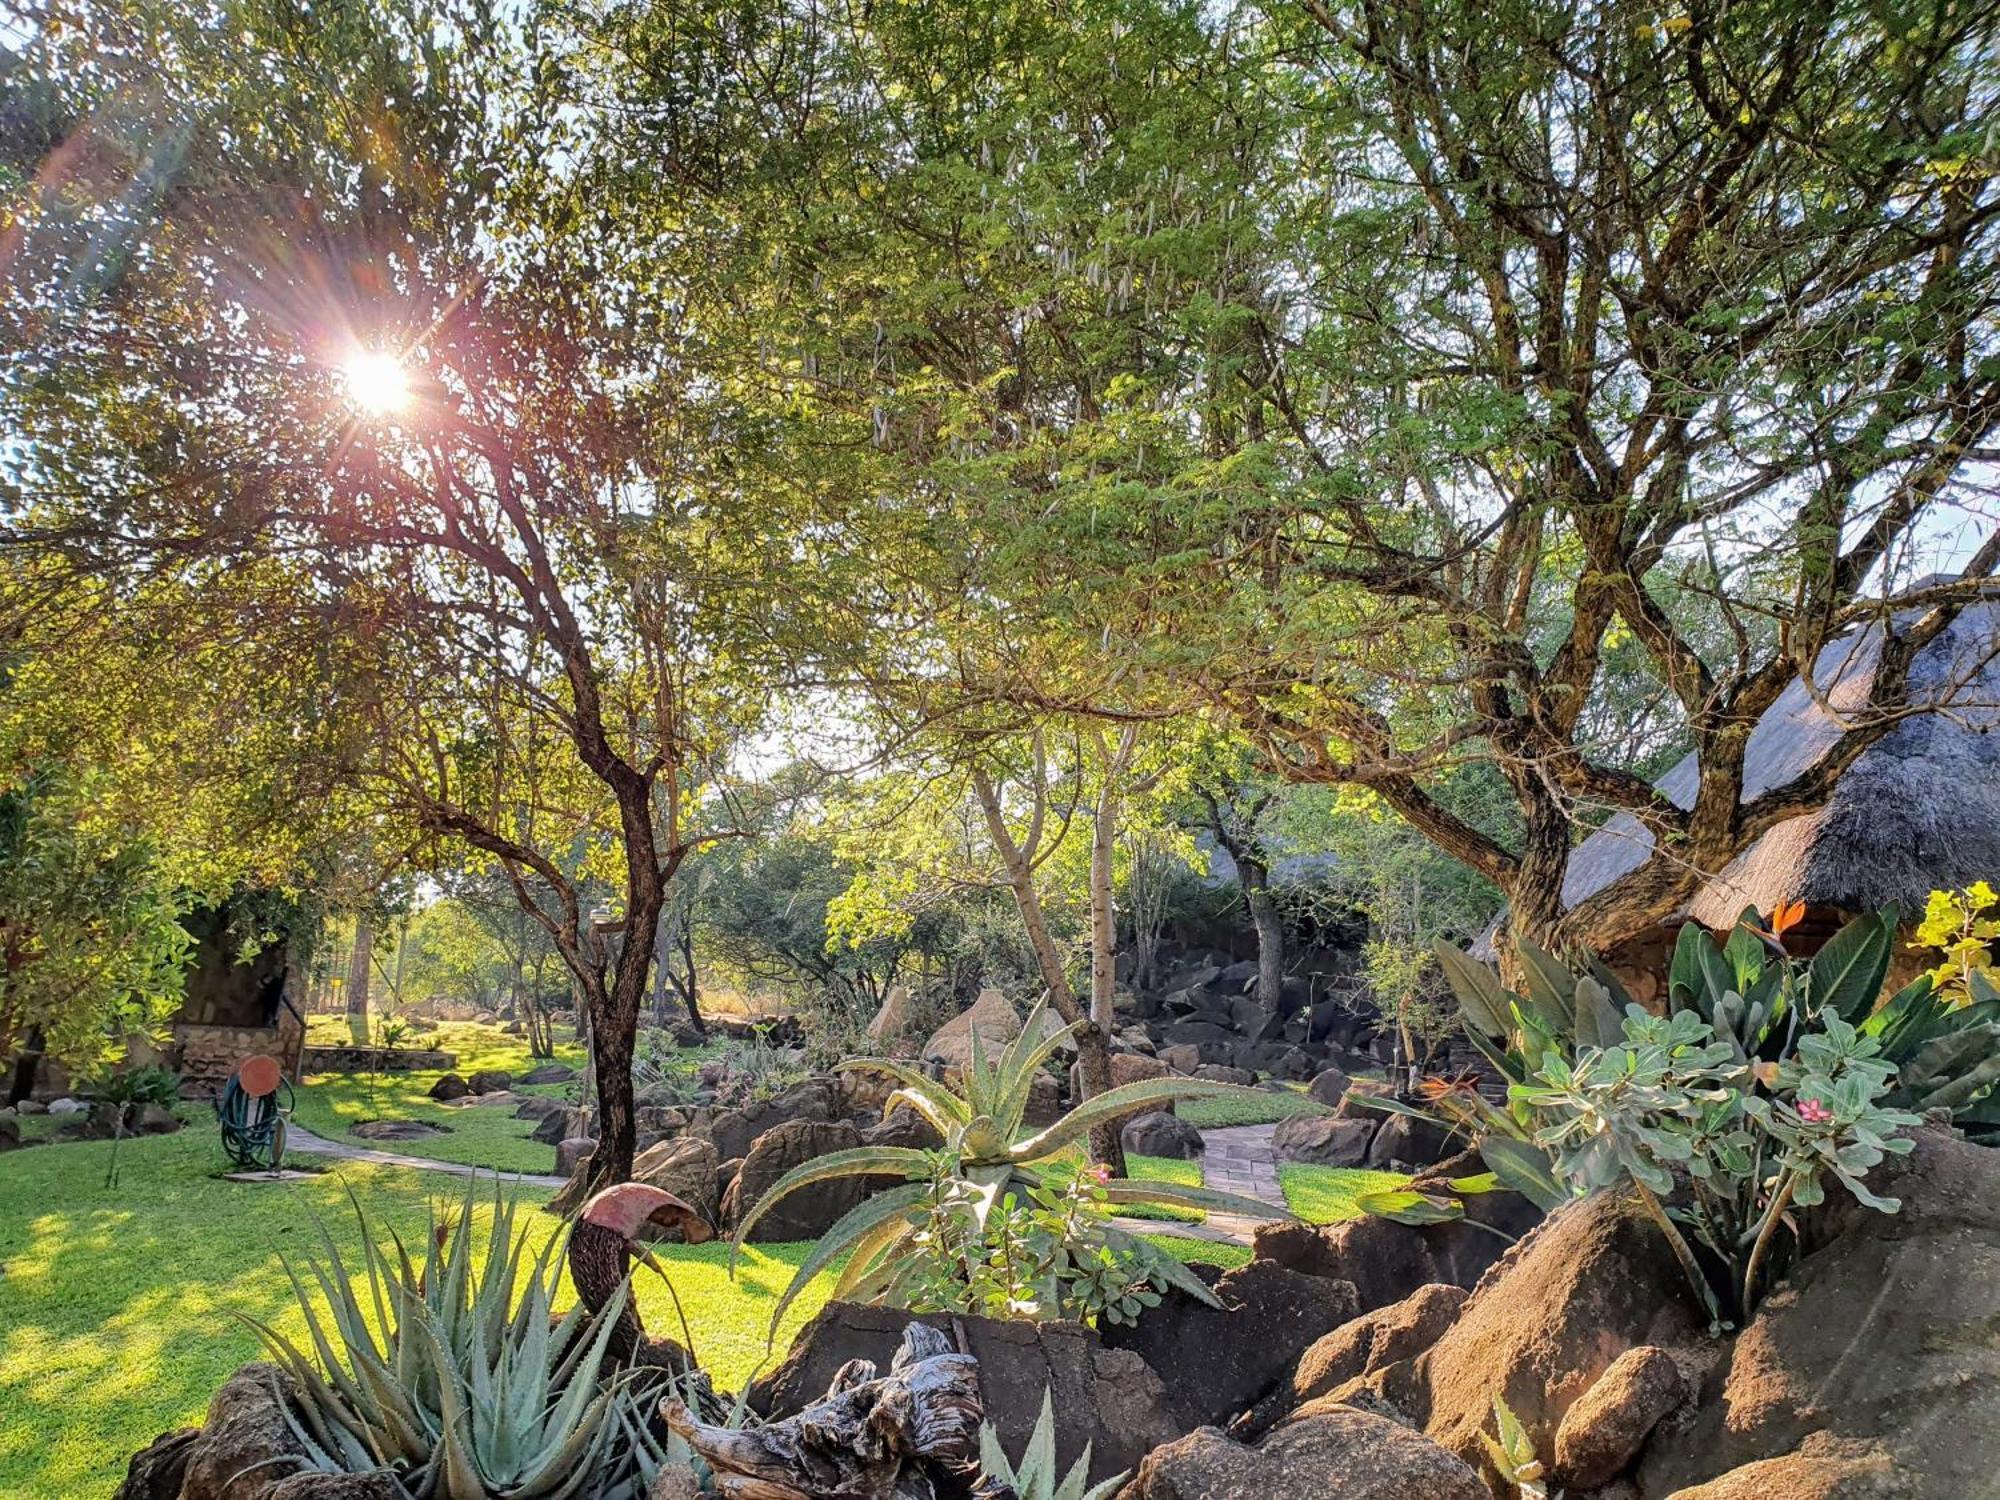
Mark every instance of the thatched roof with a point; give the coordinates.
(1918, 810)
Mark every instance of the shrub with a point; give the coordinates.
(988, 1157)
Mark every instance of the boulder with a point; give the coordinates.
(1603, 1432)
(10, 1130)
(1225, 1359)
(1295, 1065)
(450, 1086)
(1238, 976)
(1404, 1143)
(1374, 1341)
(811, 1211)
(31, 1107)
(1185, 1057)
(1876, 1347)
(1110, 1399)
(1045, 1104)
(548, 1072)
(158, 1469)
(1253, 1022)
(1126, 1067)
(904, 1128)
(1161, 1134)
(1323, 1140)
(571, 1155)
(152, 1119)
(559, 1125)
(1333, 1453)
(537, 1107)
(735, 1130)
(68, 1106)
(1595, 1280)
(1329, 1087)
(394, 1130)
(687, 1167)
(246, 1450)
(1354, 1103)
(996, 1021)
(1195, 1033)
(1218, 1073)
(896, 1016)
(490, 1081)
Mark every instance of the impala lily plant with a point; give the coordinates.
(989, 1156)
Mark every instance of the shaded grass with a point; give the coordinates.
(1262, 1107)
(1325, 1195)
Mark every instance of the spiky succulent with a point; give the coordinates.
(1037, 1476)
(988, 1148)
(451, 1373)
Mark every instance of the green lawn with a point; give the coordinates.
(329, 1104)
(1260, 1107)
(1325, 1195)
(117, 1306)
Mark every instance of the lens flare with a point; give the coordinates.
(376, 382)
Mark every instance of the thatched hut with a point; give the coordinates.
(1918, 811)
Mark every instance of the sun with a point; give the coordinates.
(376, 382)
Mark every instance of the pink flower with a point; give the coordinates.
(1101, 1172)
(1813, 1112)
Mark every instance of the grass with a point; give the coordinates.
(119, 1308)
(331, 1104)
(1263, 1107)
(1325, 1195)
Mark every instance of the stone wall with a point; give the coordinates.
(210, 1054)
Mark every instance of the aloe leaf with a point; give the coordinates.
(1113, 1105)
(1139, 1190)
(856, 1161)
(851, 1228)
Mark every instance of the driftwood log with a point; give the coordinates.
(912, 1434)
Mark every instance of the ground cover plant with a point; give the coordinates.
(1327, 1195)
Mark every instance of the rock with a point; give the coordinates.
(246, 1450)
(157, 1470)
(996, 1021)
(451, 1086)
(1335, 1453)
(687, 1167)
(548, 1072)
(1253, 1022)
(904, 1128)
(153, 1119)
(1880, 1341)
(811, 1211)
(10, 1131)
(1162, 1134)
(1238, 976)
(735, 1130)
(537, 1107)
(896, 1017)
(1329, 1087)
(1374, 1341)
(1602, 1433)
(68, 1106)
(31, 1107)
(1045, 1104)
(1199, 1033)
(1126, 1067)
(559, 1126)
(1110, 1399)
(1407, 1144)
(490, 1081)
(1594, 1280)
(1217, 1073)
(394, 1130)
(571, 1154)
(1224, 1360)
(1295, 1065)
(1354, 1103)
(1185, 1057)
(1322, 1140)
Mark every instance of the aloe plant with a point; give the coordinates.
(1037, 1476)
(989, 1149)
(450, 1372)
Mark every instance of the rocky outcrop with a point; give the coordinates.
(1336, 1453)
(1374, 1341)
(244, 1450)
(735, 1130)
(1387, 1261)
(991, 1016)
(688, 1168)
(1111, 1399)
(1225, 1359)
(1323, 1140)
(896, 1016)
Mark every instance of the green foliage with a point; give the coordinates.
(1037, 1476)
(988, 1156)
(1674, 1103)
(1961, 926)
(1513, 1453)
(452, 1374)
(148, 1085)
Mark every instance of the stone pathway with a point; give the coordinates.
(298, 1138)
(1238, 1159)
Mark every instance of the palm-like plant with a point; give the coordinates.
(451, 1374)
(1037, 1476)
(987, 1147)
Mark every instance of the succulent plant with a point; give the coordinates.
(1037, 1476)
(452, 1374)
(989, 1150)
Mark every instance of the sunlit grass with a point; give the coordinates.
(1261, 1107)
(1325, 1195)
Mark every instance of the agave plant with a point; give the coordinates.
(451, 1374)
(1037, 1476)
(992, 1154)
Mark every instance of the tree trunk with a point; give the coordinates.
(359, 962)
(1269, 925)
(1093, 1048)
(1534, 895)
(26, 1066)
(1103, 920)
